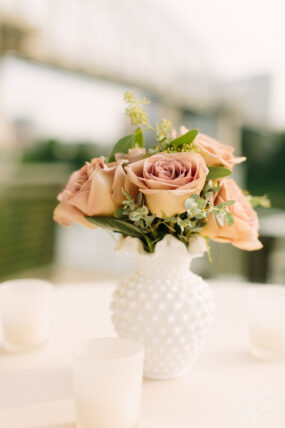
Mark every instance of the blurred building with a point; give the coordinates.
(63, 71)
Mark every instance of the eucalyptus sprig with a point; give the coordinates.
(261, 201)
(153, 228)
(221, 211)
(200, 208)
(137, 212)
(134, 218)
(222, 214)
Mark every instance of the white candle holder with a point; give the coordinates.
(25, 312)
(267, 321)
(107, 382)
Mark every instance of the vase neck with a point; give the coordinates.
(162, 261)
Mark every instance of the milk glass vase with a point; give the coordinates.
(163, 305)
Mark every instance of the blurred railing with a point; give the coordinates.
(27, 231)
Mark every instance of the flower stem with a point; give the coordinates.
(149, 244)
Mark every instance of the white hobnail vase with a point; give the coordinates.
(164, 305)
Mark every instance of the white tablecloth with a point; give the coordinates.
(226, 388)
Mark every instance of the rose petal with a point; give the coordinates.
(243, 233)
(167, 180)
(65, 214)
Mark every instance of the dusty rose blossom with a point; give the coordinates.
(243, 233)
(167, 180)
(66, 214)
(214, 152)
(133, 155)
(93, 190)
(121, 182)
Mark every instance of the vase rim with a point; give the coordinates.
(130, 245)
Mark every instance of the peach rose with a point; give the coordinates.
(214, 152)
(167, 180)
(66, 214)
(93, 190)
(133, 155)
(243, 233)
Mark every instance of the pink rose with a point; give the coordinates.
(93, 190)
(214, 152)
(66, 214)
(243, 233)
(133, 155)
(167, 180)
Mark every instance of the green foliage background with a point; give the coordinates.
(265, 166)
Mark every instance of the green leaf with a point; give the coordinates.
(230, 202)
(117, 225)
(220, 218)
(201, 203)
(138, 140)
(122, 146)
(140, 199)
(187, 138)
(216, 172)
(119, 212)
(224, 205)
(229, 219)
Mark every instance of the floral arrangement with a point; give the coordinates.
(180, 186)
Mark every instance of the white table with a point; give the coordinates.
(225, 389)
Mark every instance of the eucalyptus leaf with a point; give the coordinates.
(187, 138)
(216, 172)
(117, 225)
(140, 199)
(229, 219)
(119, 213)
(220, 218)
(229, 203)
(122, 146)
(201, 203)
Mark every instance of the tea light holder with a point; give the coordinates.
(267, 321)
(25, 313)
(107, 375)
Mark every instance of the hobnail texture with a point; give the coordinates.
(166, 307)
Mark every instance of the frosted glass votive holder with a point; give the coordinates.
(25, 313)
(267, 321)
(107, 374)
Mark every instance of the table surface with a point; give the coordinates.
(226, 388)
